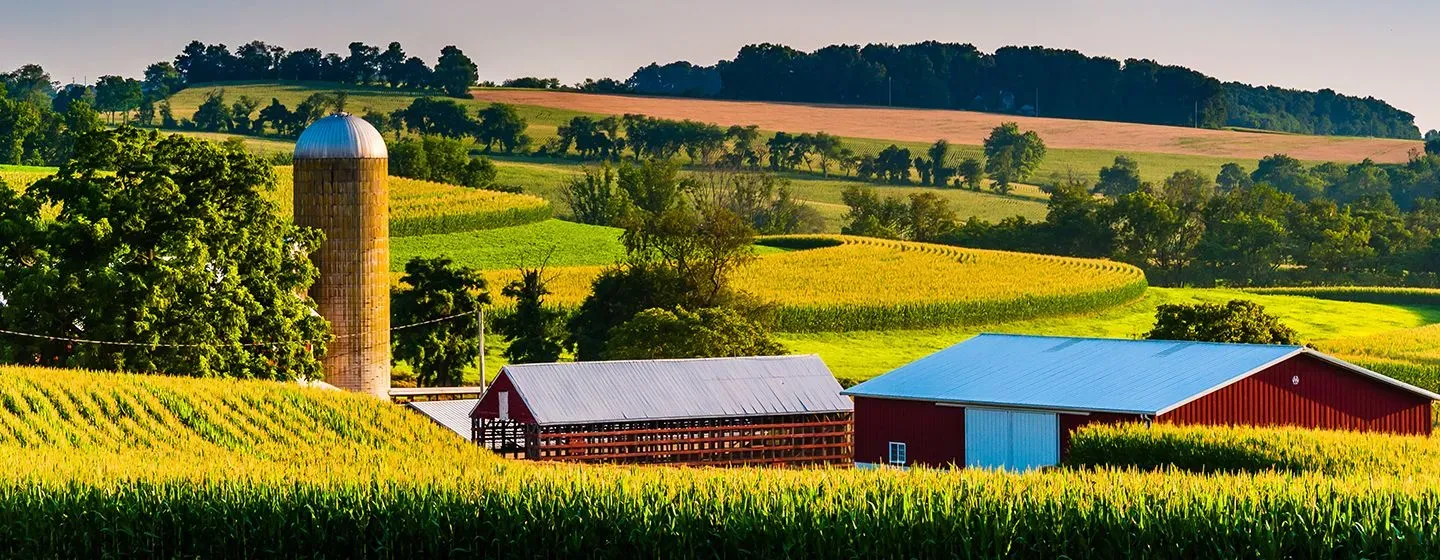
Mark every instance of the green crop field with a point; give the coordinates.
(564, 243)
(108, 465)
(865, 354)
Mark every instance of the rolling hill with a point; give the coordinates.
(968, 128)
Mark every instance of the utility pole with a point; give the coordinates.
(480, 332)
(1197, 114)
(889, 91)
(1037, 101)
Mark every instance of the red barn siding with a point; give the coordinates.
(489, 406)
(933, 435)
(1327, 396)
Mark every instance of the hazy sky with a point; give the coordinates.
(1382, 48)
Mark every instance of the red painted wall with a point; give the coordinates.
(1327, 397)
(489, 406)
(933, 435)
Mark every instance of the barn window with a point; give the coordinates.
(897, 453)
(504, 405)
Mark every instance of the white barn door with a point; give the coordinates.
(1011, 439)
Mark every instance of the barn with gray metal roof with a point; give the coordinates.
(771, 410)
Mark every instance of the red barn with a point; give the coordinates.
(776, 410)
(1011, 401)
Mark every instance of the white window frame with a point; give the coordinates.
(899, 458)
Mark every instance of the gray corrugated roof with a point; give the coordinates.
(453, 415)
(340, 136)
(586, 392)
(1133, 376)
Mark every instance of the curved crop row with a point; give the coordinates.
(841, 283)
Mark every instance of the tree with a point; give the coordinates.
(930, 217)
(705, 333)
(1233, 177)
(1432, 146)
(1119, 179)
(940, 170)
(213, 114)
(681, 250)
(455, 72)
(443, 117)
(161, 80)
(435, 288)
(501, 124)
(971, 173)
(1011, 156)
(145, 112)
(29, 84)
(532, 328)
(1239, 321)
(114, 94)
(595, 197)
(159, 241)
(1289, 176)
(391, 65)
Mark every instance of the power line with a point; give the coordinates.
(212, 345)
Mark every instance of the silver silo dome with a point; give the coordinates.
(340, 136)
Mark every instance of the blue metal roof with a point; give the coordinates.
(1082, 374)
(617, 391)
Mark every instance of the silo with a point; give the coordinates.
(341, 166)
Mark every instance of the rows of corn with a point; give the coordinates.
(424, 207)
(1247, 449)
(856, 283)
(120, 466)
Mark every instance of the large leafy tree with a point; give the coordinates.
(431, 289)
(501, 124)
(705, 333)
(1237, 321)
(1011, 155)
(455, 72)
(170, 244)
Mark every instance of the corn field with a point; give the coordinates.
(1249, 449)
(425, 207)
(97, 465)
(855, 283)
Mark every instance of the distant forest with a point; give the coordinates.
(1024, 81)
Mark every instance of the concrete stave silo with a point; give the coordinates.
(341, 166)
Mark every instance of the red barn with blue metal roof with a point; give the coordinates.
(1011, 401)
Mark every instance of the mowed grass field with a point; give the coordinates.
(968, 128)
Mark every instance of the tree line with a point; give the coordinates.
(1281, 223)
(453, 74)
(1020, 80)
